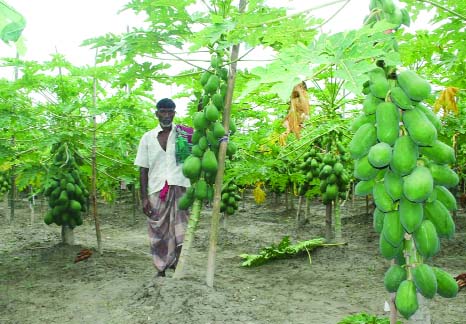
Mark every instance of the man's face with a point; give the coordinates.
(165, 116)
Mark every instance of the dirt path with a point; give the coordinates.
(40, 283)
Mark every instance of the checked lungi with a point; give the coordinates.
(166, 225)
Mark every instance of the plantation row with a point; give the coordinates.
(371, 130)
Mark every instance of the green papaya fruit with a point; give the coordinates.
(400, 98)
(405, 155)
(413, 85)
(380, 155)
(382, 199)
(443, 175)
(392, 230)
(440, 216)
(411, 214)
(446, 285)
(211, 113)
(362, 141)
(209, 162)
(406, 299)
(446, 197)
(418, 185)
(439, 152)
(419, 127)
(192, 167)
(424, 280)
(393, 277)
(393, 184)
(378, 218)
(426, 239)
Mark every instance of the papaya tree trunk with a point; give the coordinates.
(188, 239)
(67, 235)
(291, 192)
(286, 198)
(243, 203)
(32, 206)
(337, 213)
(422, 315)
(12, 196)
(133, 202)
(298, 212)
(367, 205)
(308, 206)
(5, 207)
(221, 163)
(225, 217)
(328, 221)
(393, 311)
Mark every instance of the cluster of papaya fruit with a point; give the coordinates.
(387, 10)
(230, 198)
(5, 184)
(400, 161)
(66, 191)
(201, 166)
(327, 167)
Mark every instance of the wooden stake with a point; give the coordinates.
(94, 172)
(221, 164)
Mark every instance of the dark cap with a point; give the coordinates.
(165, 104)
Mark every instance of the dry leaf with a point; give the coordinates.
(447, 101)
(298, 112)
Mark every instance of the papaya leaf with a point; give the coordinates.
(284, 249)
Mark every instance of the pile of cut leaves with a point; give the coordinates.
(282, 250)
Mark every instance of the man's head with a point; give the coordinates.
(165, 112)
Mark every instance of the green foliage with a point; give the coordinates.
(364, 318)
(349, 54)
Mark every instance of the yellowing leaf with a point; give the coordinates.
(299, 111)
(447, 101)
(259, 194)
(5, 166)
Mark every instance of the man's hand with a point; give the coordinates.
(146, 207)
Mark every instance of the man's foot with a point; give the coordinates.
(173, 265)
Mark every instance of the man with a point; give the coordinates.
(162, 184)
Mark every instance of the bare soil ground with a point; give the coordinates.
(41, 283)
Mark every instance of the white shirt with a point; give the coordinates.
(161, 164)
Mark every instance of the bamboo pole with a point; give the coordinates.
(13, 169)
(188, 239)
(94, 172)
(221, 163)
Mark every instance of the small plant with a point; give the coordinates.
(363, 318)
